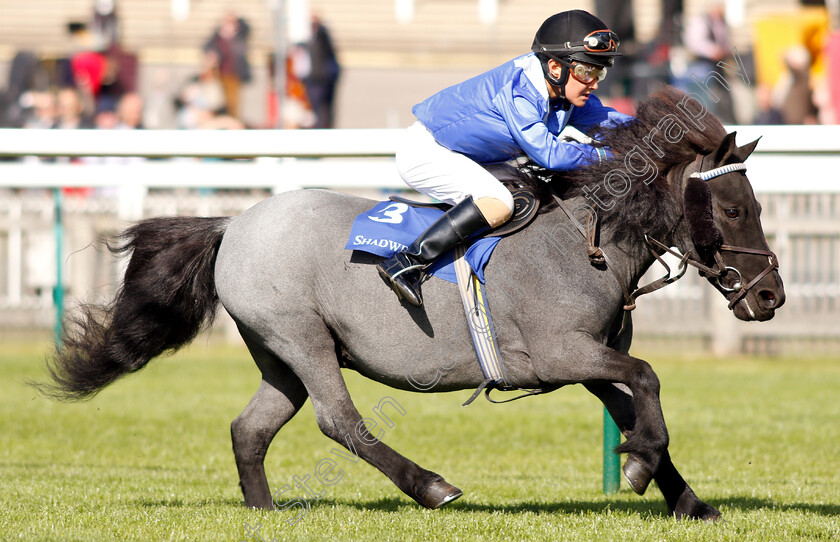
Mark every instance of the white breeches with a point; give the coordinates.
(447, 176)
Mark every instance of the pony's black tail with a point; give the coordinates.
(168, 295)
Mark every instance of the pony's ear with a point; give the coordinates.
(726, 148)
(700, 218)
(743, 152)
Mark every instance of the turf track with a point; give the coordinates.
(150, 458)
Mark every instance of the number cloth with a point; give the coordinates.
(391, 226)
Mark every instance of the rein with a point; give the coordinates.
(598, 257)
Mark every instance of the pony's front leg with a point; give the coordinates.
(680, 498)
(647, 437)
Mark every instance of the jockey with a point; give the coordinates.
(518, 108)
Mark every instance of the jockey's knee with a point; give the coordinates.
(495, 211)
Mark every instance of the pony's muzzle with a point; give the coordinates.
(769, 299)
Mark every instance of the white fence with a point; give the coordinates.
(793, 172)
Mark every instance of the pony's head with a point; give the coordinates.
(722, 227)
(679, 177)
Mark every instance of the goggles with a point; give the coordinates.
(601, 41)
(586, 73)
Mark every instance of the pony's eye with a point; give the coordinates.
(731, 213)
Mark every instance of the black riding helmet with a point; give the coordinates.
(574, 35)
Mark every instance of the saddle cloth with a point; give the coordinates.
(391, 226)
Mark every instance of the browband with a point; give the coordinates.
(717, 172)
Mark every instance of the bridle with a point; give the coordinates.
(721, 269)
(716, 272)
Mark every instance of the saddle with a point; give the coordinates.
(525, 204)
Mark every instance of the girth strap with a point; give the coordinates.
(484, 337)
(490, 384)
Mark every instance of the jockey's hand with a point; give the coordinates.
(570, 133)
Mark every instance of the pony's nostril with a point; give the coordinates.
(768, 298)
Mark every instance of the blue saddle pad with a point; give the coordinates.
(391, 226)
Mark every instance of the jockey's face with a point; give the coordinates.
(577, 93)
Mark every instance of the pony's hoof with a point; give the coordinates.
(708, 513)
(440, 493)
(637, 475)
(690, 507)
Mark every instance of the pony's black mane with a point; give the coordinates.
(645, 208)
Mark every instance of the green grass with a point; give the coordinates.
(150, 458)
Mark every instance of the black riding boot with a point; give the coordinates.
(404, 270)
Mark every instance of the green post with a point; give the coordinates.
(58, 291)
(612, 463)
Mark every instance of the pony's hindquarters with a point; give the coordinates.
(168, 294)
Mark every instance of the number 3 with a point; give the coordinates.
(393, 214)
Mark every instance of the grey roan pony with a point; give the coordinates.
(306, 307)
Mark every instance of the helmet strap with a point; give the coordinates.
(559, 82)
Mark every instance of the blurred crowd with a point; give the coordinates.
(95, 85)
(787, 78)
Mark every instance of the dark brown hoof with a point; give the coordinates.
(637, 475)
(690, 507)
(439, 494)
(710, 514)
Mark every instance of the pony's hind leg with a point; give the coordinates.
(279, 397)
(338, 418)
(680, 498)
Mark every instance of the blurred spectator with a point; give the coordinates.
(296, 113)
(87, 64)
(196, 112)
(323, 75)
(830, 91)
(105, 23)
(71, 116)
(636, 73)
(112, 71)
(297, 110)
(767, 110)
(159, 112)
(793, 91)
(70, 113)
(201, 98)
(227, 51)
(130, 112)
(193, 109)
(25, 74)
(706, 39)
(120, 75)
(106, 117)
(822, 101)
(88, 72)
(43, 110)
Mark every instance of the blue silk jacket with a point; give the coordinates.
(505, 113)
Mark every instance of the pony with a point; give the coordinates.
(306, 307)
